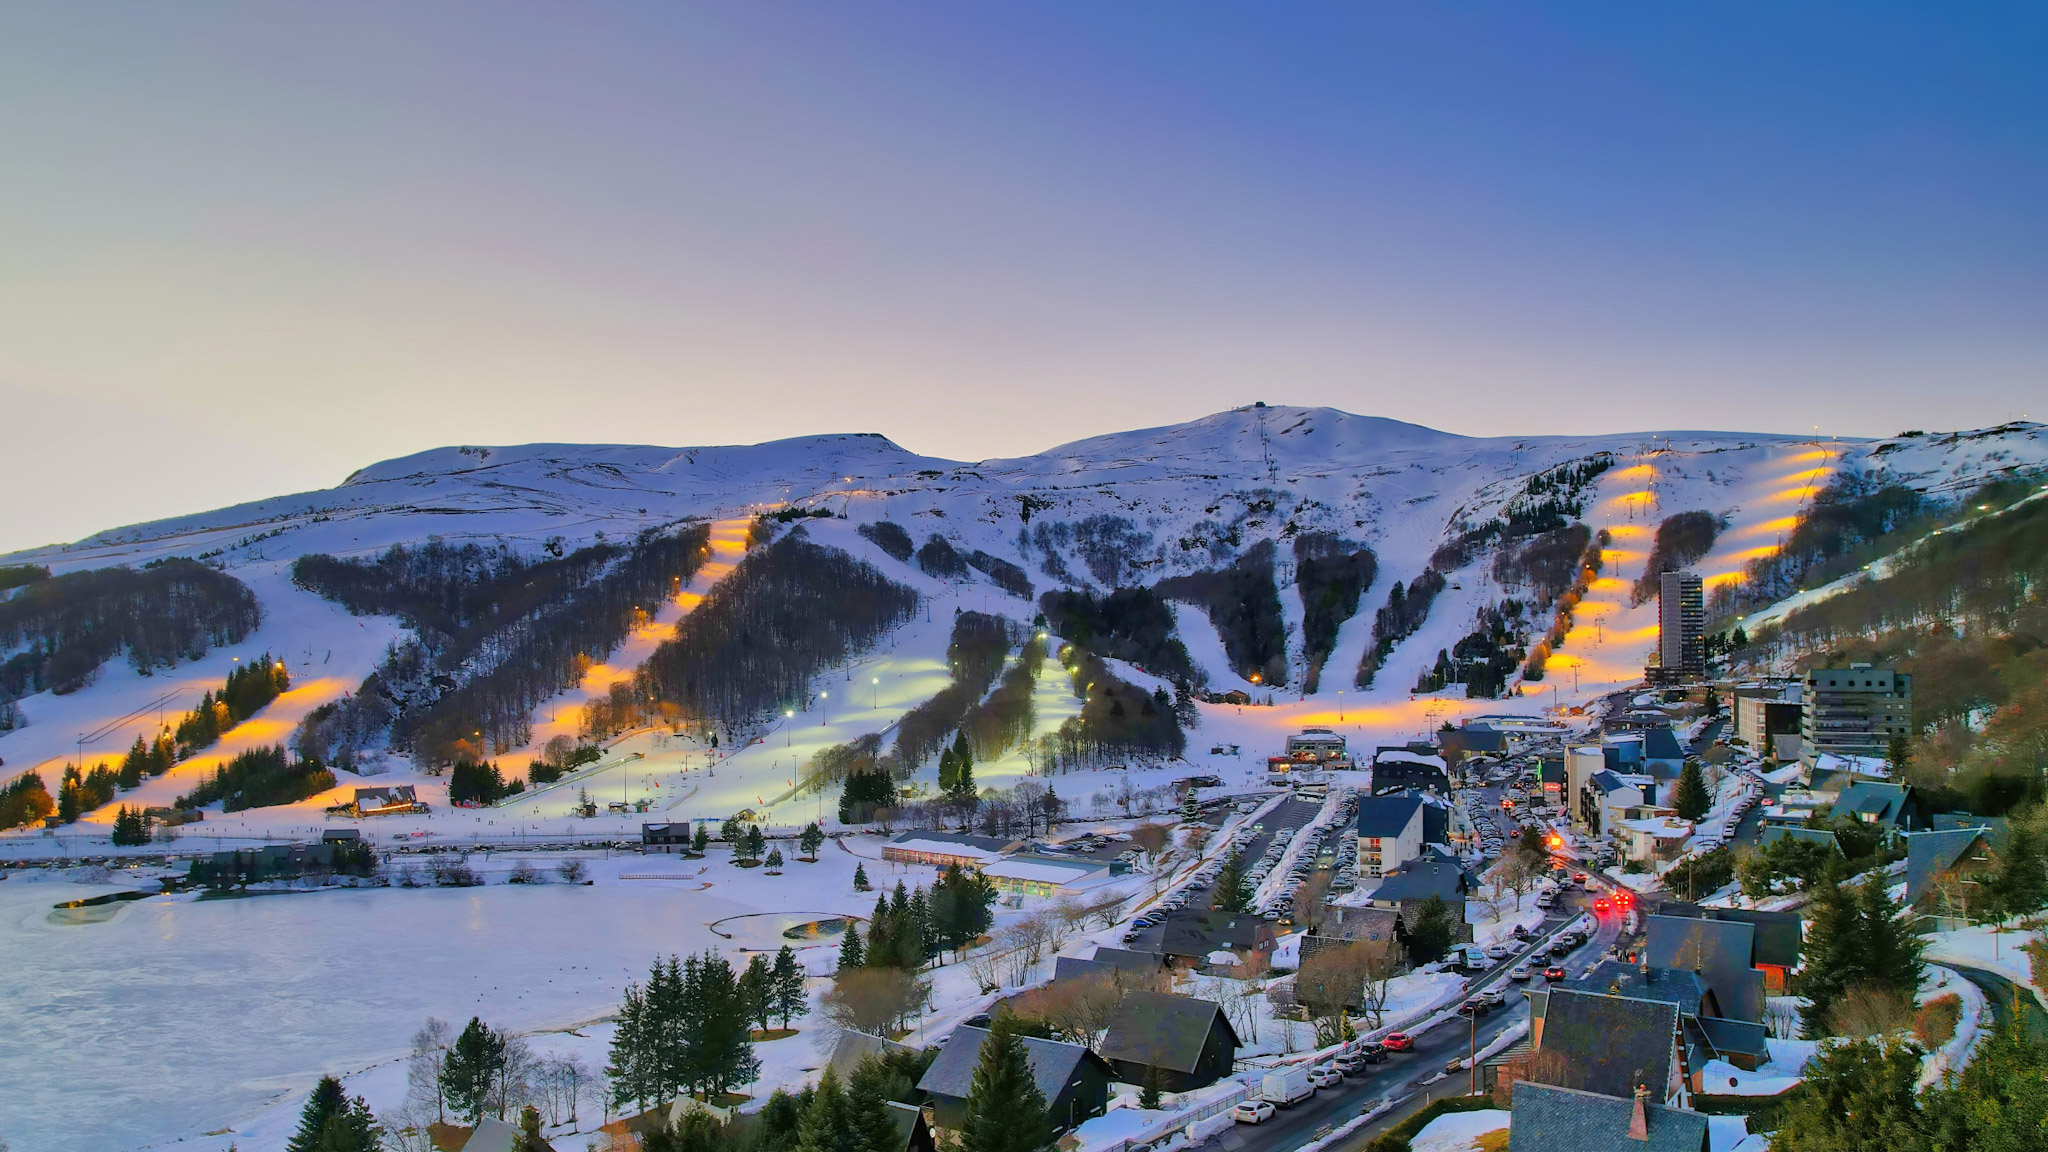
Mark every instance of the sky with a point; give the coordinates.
(246, 249)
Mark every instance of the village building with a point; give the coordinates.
(945, 849)
(1173, 1043)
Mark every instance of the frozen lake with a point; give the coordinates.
(177, 1017)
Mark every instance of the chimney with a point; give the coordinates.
(1639, 1116)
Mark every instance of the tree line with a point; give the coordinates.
(890, 538)
(67, 626)
(1129, 624)
(1681, 541)
(259, 778)
(248, 689)
(1484, 658)
(975, 655)
(495, 635)
(1243, 602)
(686, 1031)
(1405, 611)
(1561, 618)
(1117, 719)
(789, 611)
(1331, 575)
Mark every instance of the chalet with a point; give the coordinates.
(1400, 769)
(1344, 924)
(1946, 871)
(1720, 951)
(1706, 1034)
(1549, 1118)
(1663, 758)
(495, 1135)
(1074, 1081)
(944, 849)
(340, 836)
(1652, 835)
(1173, 1043)
(673, 836)
(1775, 832)
(1406, 892)
(849, 1048)
(1609, 795)
(1112, 962)
(1882, 805)
(395, 800)
(1775, 946)
(912, 1132)
(1188, 943)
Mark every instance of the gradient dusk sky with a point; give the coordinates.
(249, 248)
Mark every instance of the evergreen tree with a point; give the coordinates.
(2000, 1102)
(786, 985)
(867, 1108)
(675, 1006)
(326, 1102)
(824, 1127)
(963, 782)
(630, 1066)
(70, 797)
(1005, 1109)
(851, 954)
(1233, 888)
(135, 765)
(1833, 952)
(812, 839)
(721, 1049)
(917, 931)
(774, 858)
(1431, 934)
(470, 1069)
(781, 1119)
(757, 990)
(1690, 798)
(353, 1129)
(949, 772)
(2017, 887)
(756, 842)
(530, 1139)
(1858, 1094)
(131, 827)
(1148, 1094)
(881, 936)
(860, 878)
(700, 840)
(960, 908)
(1891, 949)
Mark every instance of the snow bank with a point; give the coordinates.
(1999, 953)
(1459, 1131)
(1955, 1053)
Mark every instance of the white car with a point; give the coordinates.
(1252, 1112)
(1325, 1077)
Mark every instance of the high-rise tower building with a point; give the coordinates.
(1681, 628)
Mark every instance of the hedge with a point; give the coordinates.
(1396, 1139)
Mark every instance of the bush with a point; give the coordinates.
(1935, 1022)
(538, 773)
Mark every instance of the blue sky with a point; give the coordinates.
(253, 247)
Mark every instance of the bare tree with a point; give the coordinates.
(423, 1069)
(1382, 964)
(1870, 1010)
(1079, 1010)
(1311, 903)
(1026, 942)
(559, 1083)
(875, 1000)
(1151, 839)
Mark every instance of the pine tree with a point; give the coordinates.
(700, 840)
(1891, 949)
(867, 1108)
(470, 1069)
(881, 936)
(812, 839)
(755, 842)
(917, 931)
(135, 765)
(2017, 887)
(824, 1127)
(757, 990)
(774, 860)
(787, 985)
(1005, 1109)
(326, 1102)
(949, 772)
(851, 954)
(629, 1066)
(1431, 934)
(353, 1129)
(1690, 798)
(1233, 888)
(860, 878)
(1858, 1094)
(530, 1139)
(1833, 952)
(131, 827)
(675, 1006)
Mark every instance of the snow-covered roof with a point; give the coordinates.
(1402, 756)
(1043, 870)
(982, 847)
(1663, 828)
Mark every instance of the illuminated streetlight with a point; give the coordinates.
(874, 690)
(788, 714)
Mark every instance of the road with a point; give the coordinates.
(1404, 1073)
(2003, 994)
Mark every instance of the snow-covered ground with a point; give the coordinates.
(2001, 953)
(1459, 1131)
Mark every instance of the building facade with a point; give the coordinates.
(1854, 711)
(1681, 628)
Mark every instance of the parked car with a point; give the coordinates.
(1520, 974)
(1252, 1112)
(1325, 1077)
(1554, 972)
(1398, 1042)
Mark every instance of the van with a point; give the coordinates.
(1284, 1087)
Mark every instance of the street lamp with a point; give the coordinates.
(822, 697)
(788, 714)
(874, 690)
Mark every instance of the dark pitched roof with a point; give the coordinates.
(1883, 802)
(1998, 826)
(1929, 854)
(1685, 990)
(1184, 937)
(1719, 950)
(1162, 1030)
(1661, 744)
(1387, 816)
(1553, 1119)
(1775, 832)
(850, 1048)
(1779, 936)
(1608, 1044)
(1069, 968)
(1053, 1064)
(906, 1117)
(1422, 879)
(1738, 1037)
(1126, 960)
